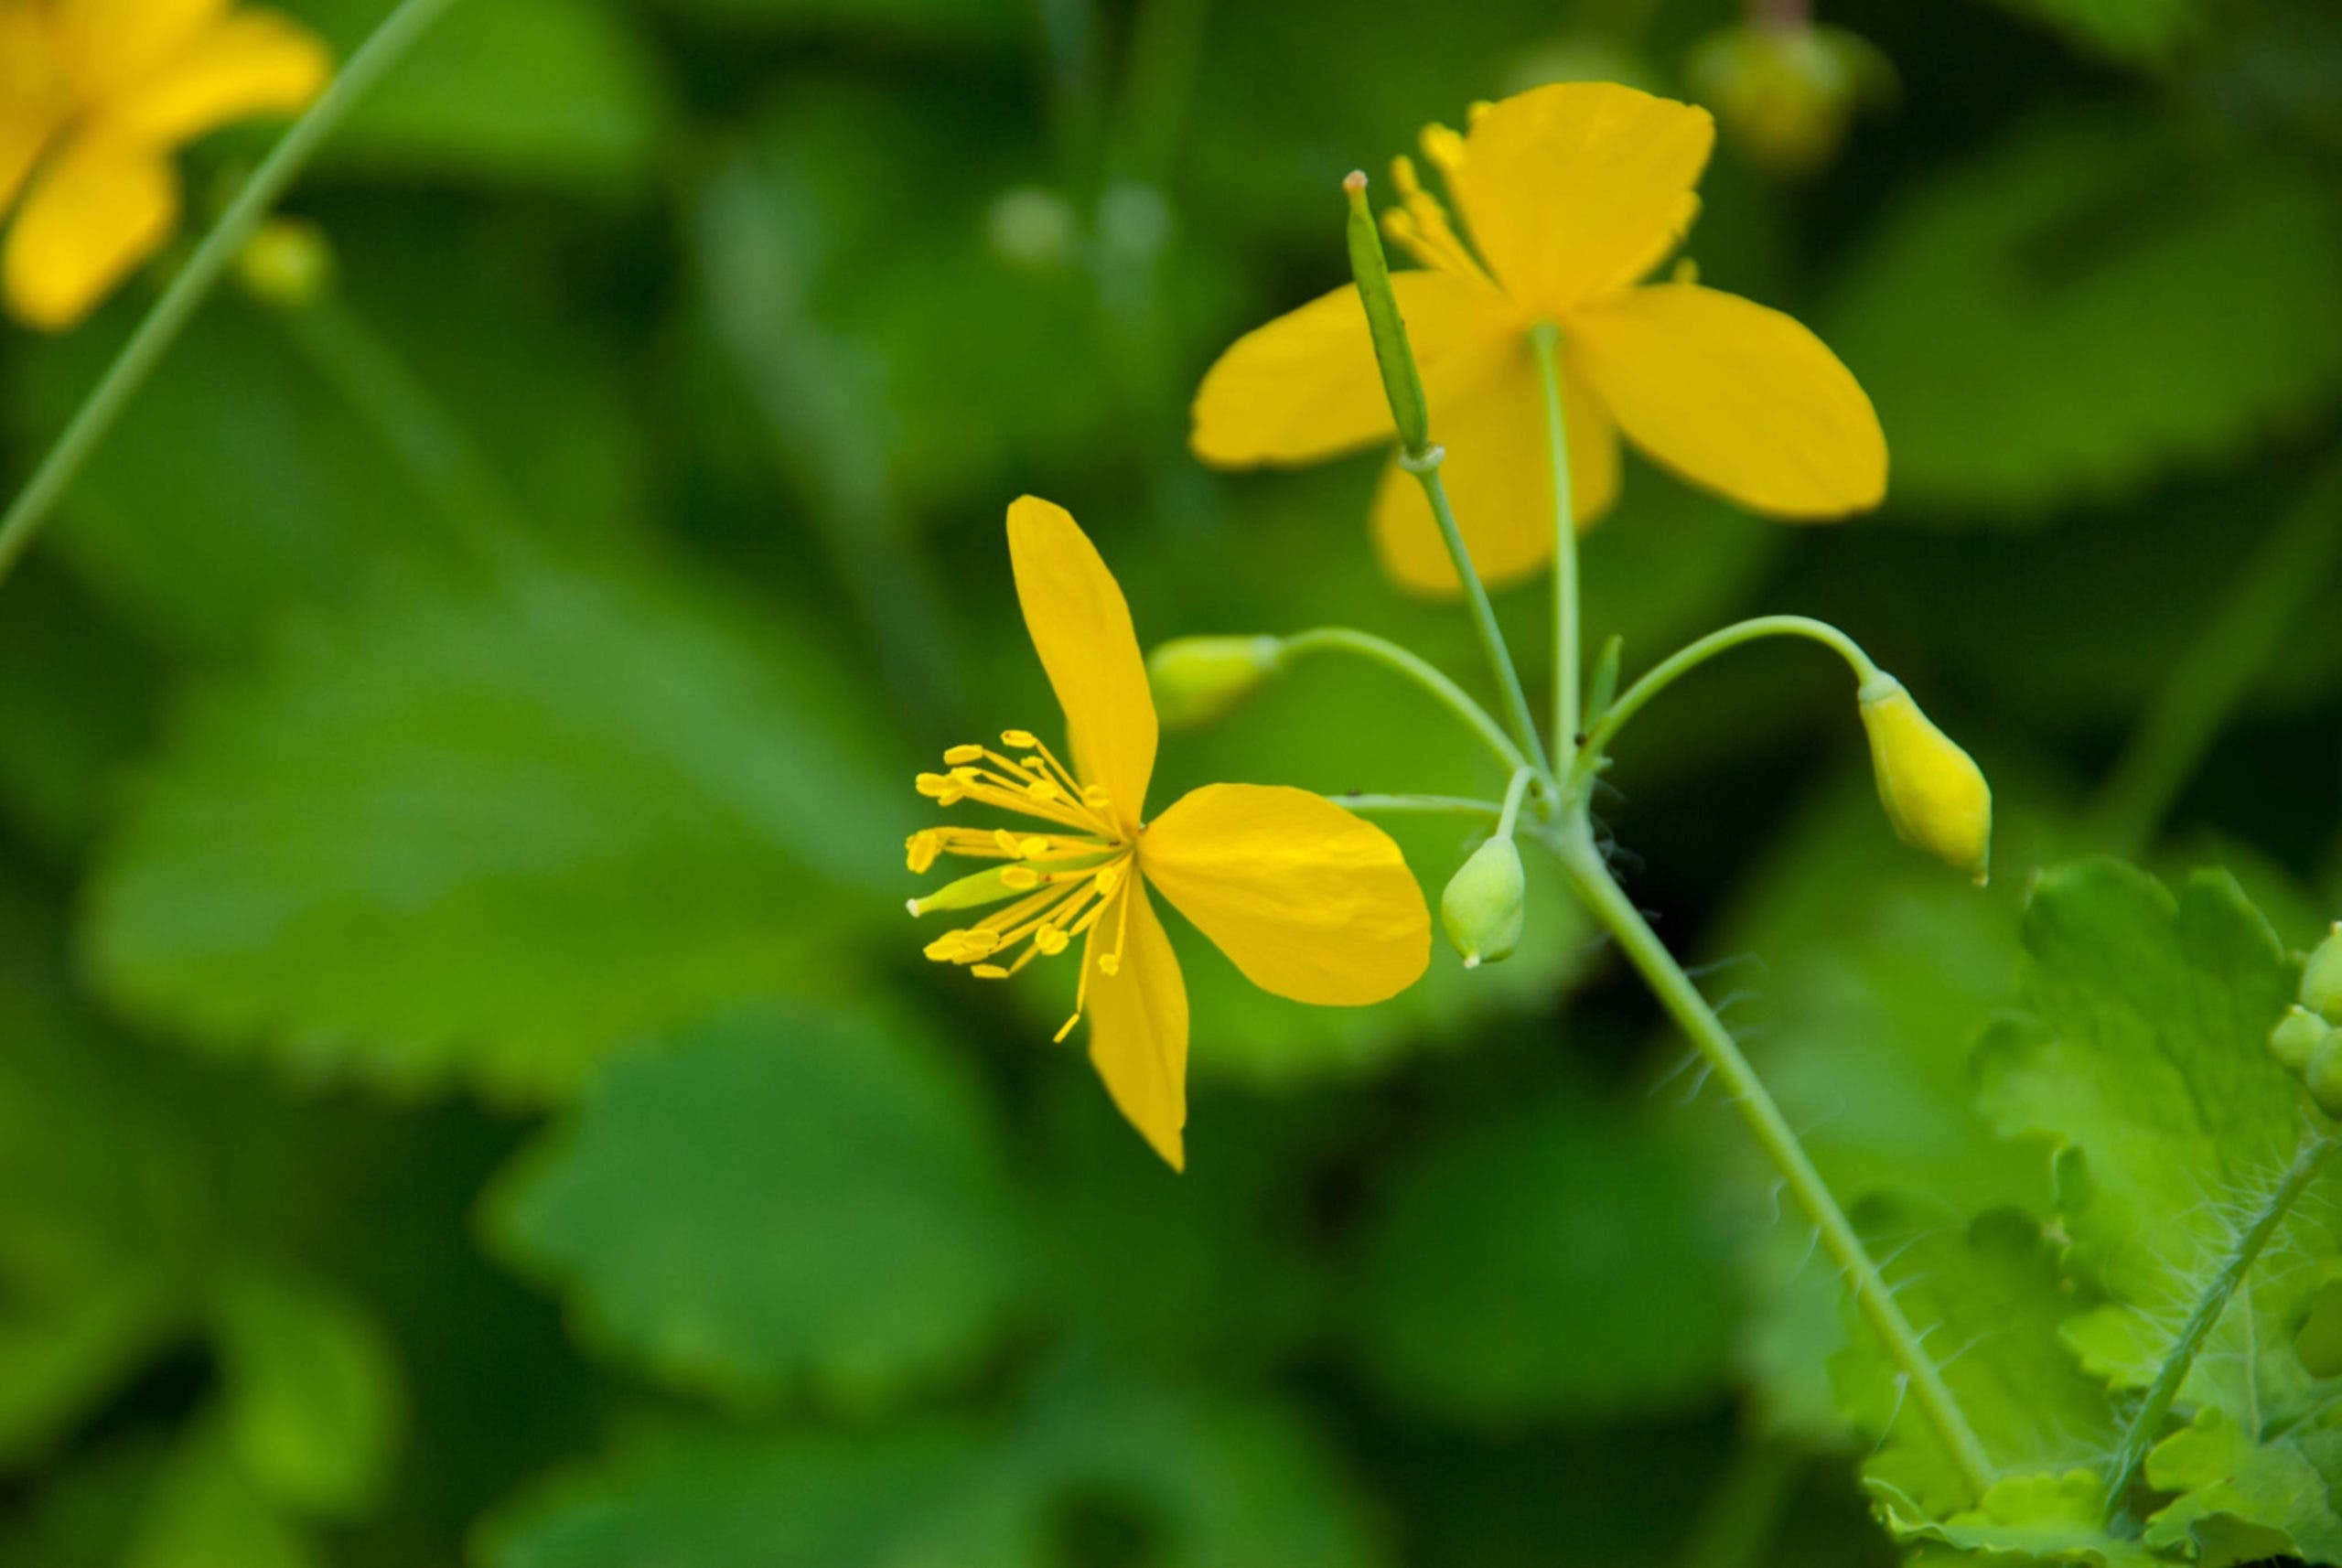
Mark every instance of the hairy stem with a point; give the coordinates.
(195, 280)
(2146, 1424)
(1413, 668)
(1542, 339)
(1589, 874)
(2248, 625)
(1692, 655)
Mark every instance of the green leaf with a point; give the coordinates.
(1165, 1476)
(100, 1216)
(1987, 1302)
(480, 835)
(205, 1512)
(315, 1402)
(547, 92)
(80, 702)
(775, 1202)
(1487, 1225)
(2086, 309)
(2039, 1518)
(2143, 1064)
(2136, 31)
(2242, 1499)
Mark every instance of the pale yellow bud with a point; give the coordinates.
(1934, 795)
(2299, 1035)
(2322, 978)
(287, 262)
(1197, 679)
(1484, 905)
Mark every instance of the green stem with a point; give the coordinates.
(2264, 603)
(2146, 1424)
(1513, 792)
(195, 280)
(1484, 616)
(1582, 862)
(1692, 655)
(1419, 805)
(1542, 339)
(1422, 671)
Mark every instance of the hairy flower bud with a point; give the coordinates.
(1934, 795)
(2296, 1038)
(1197, 679)
(1485, 904)
(2322, 978)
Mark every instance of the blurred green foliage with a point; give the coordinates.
(467, 1093)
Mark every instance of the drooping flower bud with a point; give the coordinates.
(1484, 905)
(1934, 795)
(2324, 1076)
(2296, 1038)
(2322, 977)
(1197, 679)
(1787, 95)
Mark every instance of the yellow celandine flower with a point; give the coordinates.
(1308, 900)
(1570, 195)
(95, 95)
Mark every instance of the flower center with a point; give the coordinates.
(1053, 885)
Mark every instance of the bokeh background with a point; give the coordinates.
(468, 1092)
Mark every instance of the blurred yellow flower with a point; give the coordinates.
(1570, 195)
(95, 95)
(1307, 900)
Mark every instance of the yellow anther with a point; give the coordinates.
(1023, 878)
(1032, 848)
(1443, 147)
(1051, 939)
(959, 755)
(1095, 797)
(1110, 963)
(1005, 841)
(1402, 175)
(920, 849)
(1042, 790)
(946, 947)
(989, 972)
(934, 784)
(1019, 739)
(1109, 879)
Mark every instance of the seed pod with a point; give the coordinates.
(2296, 1038)
(1484, 905)
(1197, 679)
(1934, 795)
(2322, 978)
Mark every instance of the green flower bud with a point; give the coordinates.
(2296, 1038)
(2324, 1075)
(1485, 904)
(1934, 795)
(1787, 95)
(287, 262)
(1197, 679)
(2322, 978)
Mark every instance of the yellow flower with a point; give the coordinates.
(94, 97)
(1570, 195)
(1309, 901)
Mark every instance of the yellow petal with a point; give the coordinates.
(1308, 900)
(1580, 187)
(111, 45)
(1500, 480)
(1138, 1024)
(1081, 629)
(1735, 397)
(95, 210)
(1305, 387)
(32, 98)
(254, 62)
